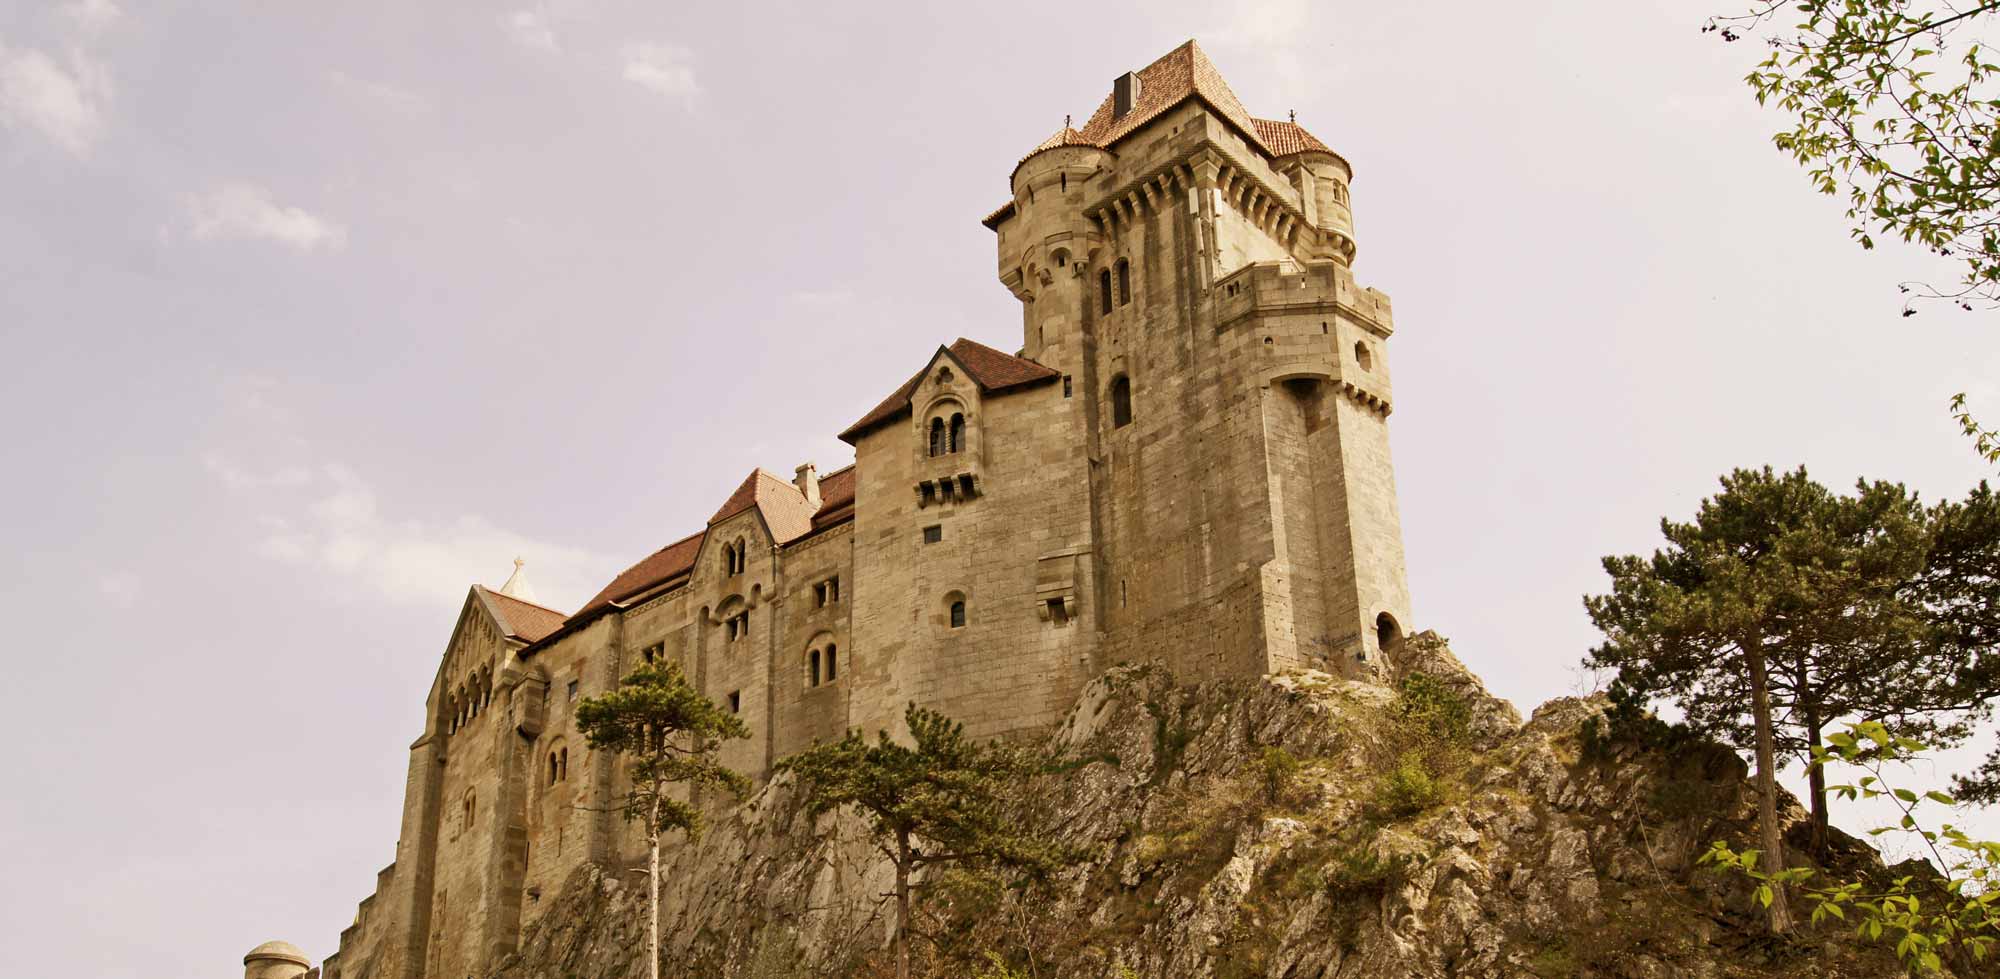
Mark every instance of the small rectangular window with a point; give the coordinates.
(933, 533)
(1067, 387)
(572, 690)
(735, 701)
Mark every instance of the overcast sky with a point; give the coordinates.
(313, 314)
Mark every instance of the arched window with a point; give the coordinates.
(832, 662)
(1362, 357)
(562, 765)
(552, 768)
(1124, 282)
(812, 672)
(1121, 401)
(1104, 290)
(1387, 632)
(958, 614)
(956, 436)
(937, 436)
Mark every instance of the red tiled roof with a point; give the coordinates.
(1179, 75)
(668, 562)
(1286, 138)
(992, 370)
(1001, 213)
(836, 498)
(522, 620)
(783, 506)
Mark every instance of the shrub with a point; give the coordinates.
(1407, 789)
(1432, 710)
(1279, 771)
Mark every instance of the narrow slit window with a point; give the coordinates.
(832, 662)
(1121, 401)
(1124, 282)
(1104, 290)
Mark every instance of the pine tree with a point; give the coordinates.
(1783, 609)
(941, 799)
(669, 733)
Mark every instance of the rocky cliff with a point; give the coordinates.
(1295, 827)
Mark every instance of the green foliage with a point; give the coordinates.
(1278, 772)
(1985, 441)
(1405, 790)
(1949, 913)
(1872, 606)
(669, 733)
(942, 799)
(1357, 871)
(946, 793)
(1432, 710)
(1893, 105)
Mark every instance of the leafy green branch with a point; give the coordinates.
(1948, 909)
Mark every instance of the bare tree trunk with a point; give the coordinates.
(1767, 787)
(653, 883)
(902, 906)
(1816, 787)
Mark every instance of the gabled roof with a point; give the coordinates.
(784, 508)
(836, 498)
(1179, 75)
(519, 619)
(657, 568)
(992, 370)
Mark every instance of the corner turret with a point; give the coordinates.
(276, 960)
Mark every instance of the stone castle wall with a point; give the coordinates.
(1239, 519)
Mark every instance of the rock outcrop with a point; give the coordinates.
(1297, 827)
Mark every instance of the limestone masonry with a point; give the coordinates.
(1187, 462)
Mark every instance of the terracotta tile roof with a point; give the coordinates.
(992, 370)
(668, 562)
(1179, 75)
(1001, 213)
(1286, 138)
(836, 489)
(1063, 137)
(525, 621)
(784, 510)
(783, 506)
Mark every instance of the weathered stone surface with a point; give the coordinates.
(1534, 862)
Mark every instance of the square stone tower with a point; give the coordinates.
(1186, 267)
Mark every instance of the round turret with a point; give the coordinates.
(275, 960)
(1048, 244)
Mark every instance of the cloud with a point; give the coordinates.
(241, 210)
(663, 68)
(530, 29)
(63, 103)
(329, 520)
(91, 16)
(384, 94)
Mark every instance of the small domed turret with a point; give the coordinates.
(275, 960)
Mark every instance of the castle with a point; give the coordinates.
(1186, 461)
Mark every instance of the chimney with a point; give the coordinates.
(1124, 94)
(808, 483)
